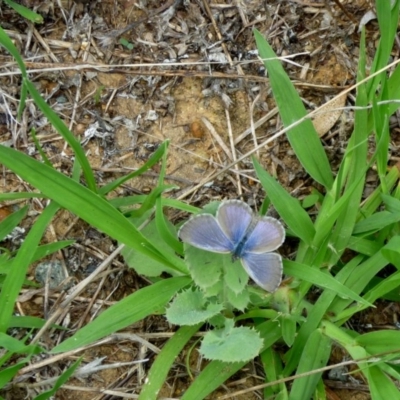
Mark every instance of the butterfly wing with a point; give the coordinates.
(265, 269)
(267, 235)
(234, 218)
(203, 231)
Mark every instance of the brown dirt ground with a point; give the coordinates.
(197, 107)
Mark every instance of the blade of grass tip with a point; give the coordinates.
(16, 276)
(10, 222)
(127, 311)
(48, 249)
(65, 133)
(303, 137)
(68, 373)
(150, 200)
(81, 201)
(159, 370)
(9, 45)
(155, 157)
(39, 148)
(163, 228)
(20, 195)
(25, 12)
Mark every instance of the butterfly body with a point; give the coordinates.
(249, 238)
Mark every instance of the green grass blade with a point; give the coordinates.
(303, 137)
(81, 201)
(25, 12)
(48, 249)
(9, 45)
(357, 170)
(61, 128)
(11, 221)
(154, 159)
(288, 207)
(163, 362)
(382, 388)
(388, 16)
(60, 381)
(16, 275)
(376, 222)
(315, 355)
(126, 312)
(319, 278)
(272, 365)
(20, 195)
(7, 374)
(315, 316)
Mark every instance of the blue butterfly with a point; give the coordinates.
(236, 230)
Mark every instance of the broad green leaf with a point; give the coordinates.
(145, 265)
(217, 372)
(205, 267)
(384, 287)
(231, 344)
(288, 325)
(235, 277)
(363, 246)
(191, 307)
(238, 301)
(126, 312)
